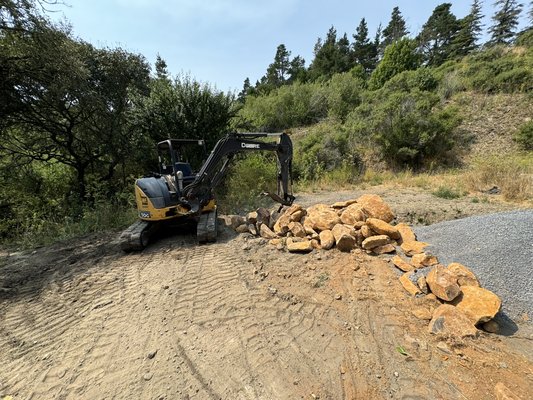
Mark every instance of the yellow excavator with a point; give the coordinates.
(177, 194)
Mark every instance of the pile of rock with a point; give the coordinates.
(365, 223)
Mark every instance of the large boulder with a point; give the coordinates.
(375, 207)
(374, 241)
(383, 228)
(343, 239)
(251, 217)
(327, 240)
(443, 283)
(297, 216)
(464, 276)
(450, 321)
(367, 232)
(480, 305)
(263, 216)
(321, 217)
(422, 260)
(236, 221)
(352, 214)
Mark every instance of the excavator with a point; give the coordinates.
(177, 194)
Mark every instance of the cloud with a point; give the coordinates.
(220, 12)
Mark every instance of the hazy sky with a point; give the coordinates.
(224, 41)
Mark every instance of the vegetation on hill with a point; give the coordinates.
(78, 123)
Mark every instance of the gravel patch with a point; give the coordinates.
(498, 248)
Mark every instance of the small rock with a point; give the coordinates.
(252, 229)
(442, 283)
(147, 376)
(400, 263)
(450, 321)
(297, 216)
(275, 242)
(266, 232)
(422, 313)
(297, 229)
(243, 228)
(343, 204)
(352, 214)
(251, 218)
(480, 305)
(374, 241)
(422, 260)
(305, 246)
(422, 284)
(366, 232)
(327, 240)
(385, 249)
(272, 290)
(412, 247)
(338, 296)
(491, 326)
(344, 241)
(442, 346)
(408, 285)
(151, 354)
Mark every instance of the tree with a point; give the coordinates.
(278, 71)
(331, 56)
(246, 87)
(399, 56)
(395, 30)
(161, 71)
(364, 51)
(470, 29)
(437, 35)
(505, 20)
(297, 71)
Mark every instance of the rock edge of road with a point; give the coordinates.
(497, 247)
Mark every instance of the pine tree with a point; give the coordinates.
(364, 51)
(505, 22)
(395, 30)
(344, 55)
(297, 71)
(278, 72)
(246, 87)
(331, 56)
(470, 29)
(437, 35)
(161, 71)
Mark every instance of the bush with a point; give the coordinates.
(445, 192)
(343, 95)
(248, 177)
(524, 137)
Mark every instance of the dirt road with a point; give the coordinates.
(233, 320)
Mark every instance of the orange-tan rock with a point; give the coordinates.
(343, 240)
(374, 241)
(343, 204)
(449, 321)
(408, 285)
(243, 228)
(375, 207)
(422, 284)
(303, 246)
(422, 260)
(281, 226)
(367, 232)
(352, 214)
(266, 232)
(465, 277)
(297, 216)
(327, 240)
(412, 247)
(479, 304)
(383, 228)
(236, 220)
(406, 233)
(321, 217)
(297, 229)
(385, 249)
(275, 242)
(400, 263)
(443, 283)
(316, 244)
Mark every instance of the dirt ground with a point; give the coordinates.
(238, 319)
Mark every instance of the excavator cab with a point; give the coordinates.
(174, 157)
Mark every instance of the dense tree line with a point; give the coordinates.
(443, 37)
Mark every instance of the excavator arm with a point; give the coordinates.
(198, 193)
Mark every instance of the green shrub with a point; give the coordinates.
(524, 136)
(343, 95)
(445, 192)
(248, 177)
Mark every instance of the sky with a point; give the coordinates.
(221, 42)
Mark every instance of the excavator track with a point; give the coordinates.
(206, 230)
(137, 236)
